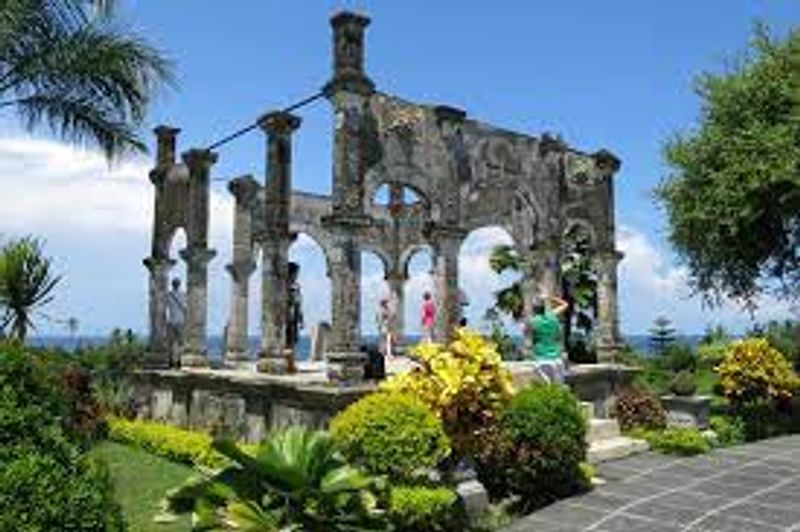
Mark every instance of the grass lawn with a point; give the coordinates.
(140, 481)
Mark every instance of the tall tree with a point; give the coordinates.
(732, 197)
(662, 334)
(26, 284)
(64, 65)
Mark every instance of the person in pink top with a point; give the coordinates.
(428, 316)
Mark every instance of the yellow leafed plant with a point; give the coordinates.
(752, 370)
(463, 382)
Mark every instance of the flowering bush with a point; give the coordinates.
(752, 371)
(464, 383)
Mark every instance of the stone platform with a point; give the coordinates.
(248, 404)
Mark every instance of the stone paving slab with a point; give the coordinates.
(749, 488)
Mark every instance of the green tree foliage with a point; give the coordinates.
(732, 197)
(66, 66)
(662, 334)
(26, 284)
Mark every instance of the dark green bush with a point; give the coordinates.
(46, 480)
(679, 357)
(729, 430)
(684, 383)
(424, 509)
(391, 433)
(537, 451)
(637, 407)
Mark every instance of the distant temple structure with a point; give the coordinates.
(465, 175)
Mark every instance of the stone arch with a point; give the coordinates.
(408, 176)
(314, 278)
(407, 254)
(318, 235)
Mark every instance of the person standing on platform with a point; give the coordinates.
(545, 328)
(428, 317)
(176, 321)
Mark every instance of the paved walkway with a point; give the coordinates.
(749, 488)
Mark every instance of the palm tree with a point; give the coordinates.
(296, 480)
(65, 66)
(26, 284)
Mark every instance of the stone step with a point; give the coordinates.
(602, 429)
(614, 449)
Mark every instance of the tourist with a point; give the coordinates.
(176, 321)
(384, 319)
(545, 329)
(294, 308)
(428, 317)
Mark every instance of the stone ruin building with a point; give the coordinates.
(466, 175)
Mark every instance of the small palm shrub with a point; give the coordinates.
(752, 371)
(425, 509)
(463, 382)
(296, 480)
(392, 434)
(537, 451)
(637, 407)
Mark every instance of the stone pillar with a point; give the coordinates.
(607, 334)
(274, 356)
(445, 265)
(396, 281)
(165, 145)
(345, 360)
(158, 285)
(197, 255)
(244, 190)
(194, 348)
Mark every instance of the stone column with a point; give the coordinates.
(396, 281)
(345, 360)
(194, 348)
(445, 265)
(607, 334)
(158, 344)
(197, 256)
(244, 190)
(274, 356)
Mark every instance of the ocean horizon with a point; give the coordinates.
(214, 344)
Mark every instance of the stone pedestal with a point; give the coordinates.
(277, 363)
(346, 367)
(692, 411)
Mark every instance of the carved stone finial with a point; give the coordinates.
(165, 145)
(606, 161)
(348, 54)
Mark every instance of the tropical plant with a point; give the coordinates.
(297, 480)
(391, 434)
(26, 284)
(464, 383)
(683, 441)
(425, 509)
(753, 371)
(68, 67)
(637, 407)
(732, 197)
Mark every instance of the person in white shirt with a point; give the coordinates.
(176, 320)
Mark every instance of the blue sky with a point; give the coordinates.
(616, 75)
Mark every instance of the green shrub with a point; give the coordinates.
(729, 430)
(420, 508)
(679, 441)
(537, 450)
(679, 357)
(637, 407)
(752, 371)
(684, 383)
(46, 480)
(390, 433)
(181, 445)
(712, 353)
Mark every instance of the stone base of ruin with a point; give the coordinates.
(194, 360)
(237, 360)
(277, 363)
(346, 367)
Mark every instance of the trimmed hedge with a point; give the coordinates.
(678, 441)
(420, 508)
(180, 445)
(391, 433)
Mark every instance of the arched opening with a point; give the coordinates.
(418, 269)
(176, 308)
(579, 290)
(314, 288)
(490, 294)
(373, 288)
(406, 196)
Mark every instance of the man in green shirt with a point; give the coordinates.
(544, 326)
